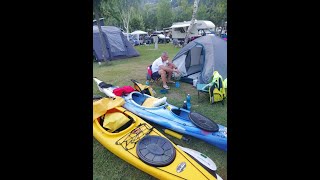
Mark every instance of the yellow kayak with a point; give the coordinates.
(138, 143)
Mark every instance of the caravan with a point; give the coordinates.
(201, 27)
(140, 35)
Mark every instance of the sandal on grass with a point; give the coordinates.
(166, 87)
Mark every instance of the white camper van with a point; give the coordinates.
(179, 29)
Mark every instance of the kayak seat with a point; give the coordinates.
(149, 102)
(154, 102)
(203, 122)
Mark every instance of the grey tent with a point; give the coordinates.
(200, 57)
(118, 47)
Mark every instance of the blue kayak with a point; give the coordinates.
(176, 119)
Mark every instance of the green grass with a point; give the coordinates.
(119, 72)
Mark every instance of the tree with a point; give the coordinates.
(126, 8)
(121, 10)
(202, 11)
(195, 8)
(220, 13)
(96, 6)
(137, 21)
(217, 11)
(182, 12)
(109, 10)
(149, 16)
(164, 14)
(110, 13)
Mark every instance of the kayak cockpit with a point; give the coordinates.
(182, 114)
(110, 116)
(115, 122)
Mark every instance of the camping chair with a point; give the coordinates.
(149, 77)
(216, 88)
(203, 88)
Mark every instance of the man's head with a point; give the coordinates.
(164, 56)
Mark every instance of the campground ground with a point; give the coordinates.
(119, 72)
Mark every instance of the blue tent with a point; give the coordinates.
(118, 47)
(201, 57)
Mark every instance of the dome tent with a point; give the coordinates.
(200, 58)
(118, 47)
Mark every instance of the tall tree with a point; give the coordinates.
(202, 11)
(109, 10)
(122, 9)
(150, 16)
(164, 14)
(221, 13)
(110, 13)
(96, 7)
(195, 8)
(137, 21)
(217, 11)
(126, 9)
(183, 12)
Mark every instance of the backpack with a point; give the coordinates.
(217, 91)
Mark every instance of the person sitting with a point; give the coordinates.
(161, 67)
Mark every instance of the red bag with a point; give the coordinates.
(149, 72)
(123, 90)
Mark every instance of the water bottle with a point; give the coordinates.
(189, 102)
(184, 105)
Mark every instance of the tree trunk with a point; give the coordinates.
(125, 16)
(103, 45)
(195, 8)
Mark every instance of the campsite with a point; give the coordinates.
(119, 73)
(121, 57)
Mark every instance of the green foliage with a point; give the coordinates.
(183, 12)
(158, 14)
(110, 11)
(202, 12)
(217, 12)
(136, 22)
(164, 14)
(149, 15)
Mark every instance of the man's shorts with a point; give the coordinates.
(155, 75)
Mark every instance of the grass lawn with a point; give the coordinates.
(119, 72)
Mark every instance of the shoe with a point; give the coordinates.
(166, 87)
(172, 82)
